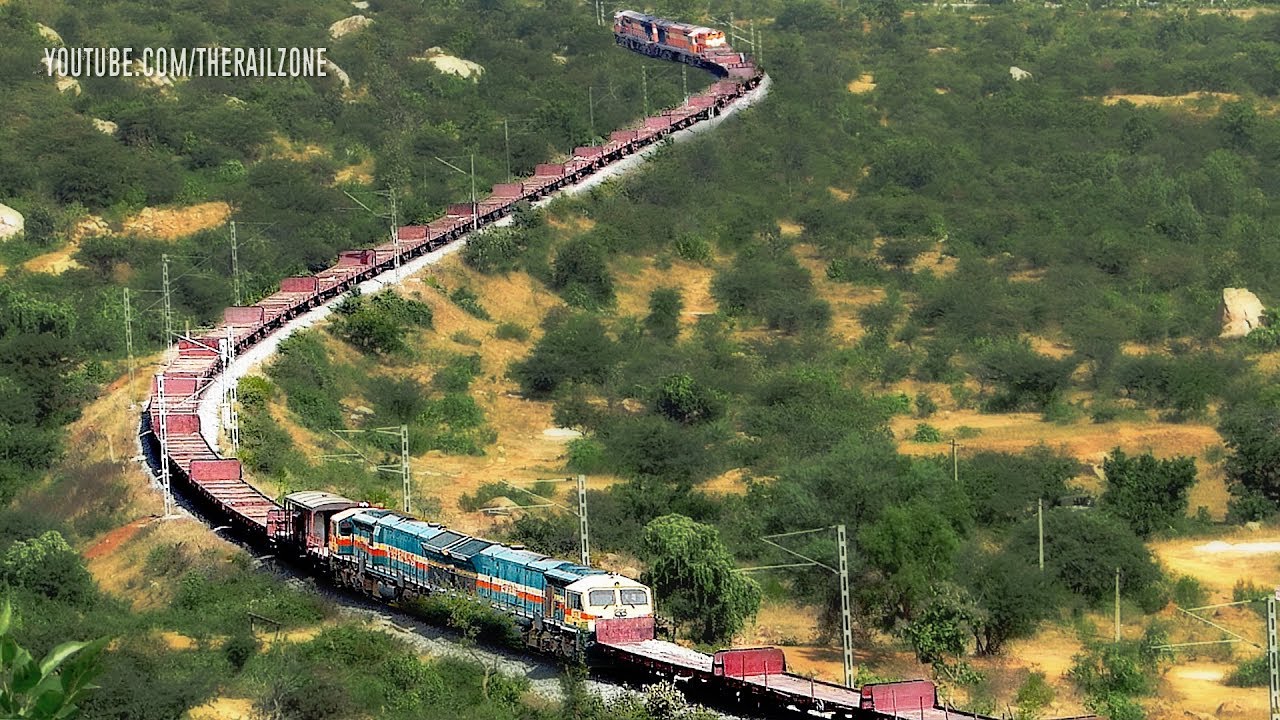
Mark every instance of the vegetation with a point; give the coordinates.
(693, 573)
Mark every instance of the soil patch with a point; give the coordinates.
(174, 223)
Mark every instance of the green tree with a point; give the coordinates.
(939, 633)
(1011, 596)
(47, 565)
(47, 689)
(695, 580)
(663, 320)
(40, 225)
(912, 546)
(574, 347)
(685, 400)
(1252, 433)
(1148, 493)
(581, 274)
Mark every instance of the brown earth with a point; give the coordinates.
(225, 708)
(865, 83)
(176, 222)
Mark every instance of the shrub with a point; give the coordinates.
(925, 406)
(581, 275)
(511, 331)
(471, 618)
(586, 456)
(379, 323)
(926, 433)
(466, 298)
(240, 648)
(496, 250)
(1251, 672)
(574, 348)
(663, 320)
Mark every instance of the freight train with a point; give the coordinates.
(563, 608)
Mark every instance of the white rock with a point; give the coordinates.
(451, 65)
(1241, 312)
(105, 126)
(49, 34)
(11, 222)
(346, 26)
(331, 68)
(67, 84)
(360, 4)
(1018, 73)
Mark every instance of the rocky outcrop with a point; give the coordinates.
(1241, 312)
(11, 222)
(1018, 73)
(346, 26)
(446, 63)
(105, 126)
(49, 34)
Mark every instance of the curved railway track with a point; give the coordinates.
(180, 425)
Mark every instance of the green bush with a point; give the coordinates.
(1250, 672)
(511, 331)
(240, 648)
(574, 347)
(466, 298)
(925, 405)
(586, 456)
(379, 323)
(926, 433)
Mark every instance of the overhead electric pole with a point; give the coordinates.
(235, 264)
(846, 609)
(841, 570)
(1040, 522)
(233, 415)
(644, 86)
(162, 433)
(128, 340)
(1273, 655)
(1117, 604)
(406, 476)
(506, 139)
(583, 532)
(168, 306)
(591, 110)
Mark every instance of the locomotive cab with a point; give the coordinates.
(605, 596)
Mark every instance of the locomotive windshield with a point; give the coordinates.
(601, 598)
(634, 596)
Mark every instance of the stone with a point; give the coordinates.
(448, 64)
(1018, 74)
(360, 4)
(331, 68)
(11, 222)
(346, 26)
(105, 126)
(90, 226)
(1231, 709)
(1241, 312)
(49, 34)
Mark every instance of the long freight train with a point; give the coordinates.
(563, 608)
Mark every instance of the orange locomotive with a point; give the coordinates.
(666, 39)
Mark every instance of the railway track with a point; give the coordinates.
(181, 430)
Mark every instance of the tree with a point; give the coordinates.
(939, 634)
(1252, 433)
(1011, 595)
(574, 347)
(685, 400)
(1148, 493)
(695, 580)
(663, 320)
(47, 689)
(47, 565)
(913, 546)
(40, 226)
(581, 274)
(1082, 552)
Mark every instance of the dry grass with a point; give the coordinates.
(845, 298)
(865, 83)
(840, 194)
(54, 262)
(225, 708)
(790, 228)
(176, 222)
(361, 173)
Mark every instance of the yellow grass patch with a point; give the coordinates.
(845, 298)
(1193, 102)
(55, 262)
(732, 482)
(176, 222)
(225, 708)
(361, 173)
(865, 83)
(790, 228)
(839, 194)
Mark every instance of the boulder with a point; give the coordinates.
(360, 4)
(346, 26)
(11, 222)
(105, 126)
(331, 68)
(446, 63)
(1231, 709)
(1018, 73)
(49, 34)
(1241, 312)
(89, 226)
